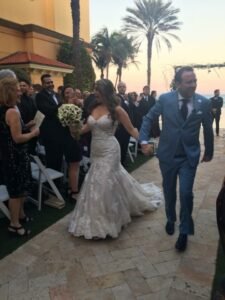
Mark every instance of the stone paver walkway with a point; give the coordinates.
(141, 264)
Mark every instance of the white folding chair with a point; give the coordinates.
(132, 148)
(4, 196)
(42, 174)
(154, 143)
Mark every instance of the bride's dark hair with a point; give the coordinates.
(106, 89)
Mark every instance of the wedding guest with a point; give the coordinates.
(56, 138)
(217, 104)
(69, 96)
(145, 103)
(122, 134)
(13, 145)
(28, 110)
(155, 127)
(109, 195)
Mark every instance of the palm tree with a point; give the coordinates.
(100, 60)
(155, 20)
(102, 46)
(114, 48)
(75, 8)
(124, 51)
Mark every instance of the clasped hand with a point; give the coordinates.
(147, 149)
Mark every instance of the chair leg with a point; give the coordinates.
(5, 210)
(56, 191)
(130, 155)
(39, 195)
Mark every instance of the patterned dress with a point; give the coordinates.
(15, 160)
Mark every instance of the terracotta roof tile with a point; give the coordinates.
(28, 57)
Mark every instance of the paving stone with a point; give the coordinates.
(123, 291)
(136, 282)
(106, 281)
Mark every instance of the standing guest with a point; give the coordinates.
(79, 96)
(183, 112)
(217, 104)
(109, 195)
(69, 96)
(155, 128)
(146, 102)
(56, 138)
(122, 134)
(28, 109)
(13, 145)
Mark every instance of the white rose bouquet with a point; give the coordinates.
(70, 115)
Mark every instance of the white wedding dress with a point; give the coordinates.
(109, 195)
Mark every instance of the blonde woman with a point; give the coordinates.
(13, 146)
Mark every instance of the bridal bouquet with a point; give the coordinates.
(70, 115)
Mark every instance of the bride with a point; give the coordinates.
(109, 195)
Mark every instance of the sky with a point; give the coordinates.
(202, 35)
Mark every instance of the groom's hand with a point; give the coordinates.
(147, 149)
(206, 158)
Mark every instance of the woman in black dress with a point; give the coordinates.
(13, 145)
(73, 148)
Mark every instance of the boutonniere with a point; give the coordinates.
(199, 112)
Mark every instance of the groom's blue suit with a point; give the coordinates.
(179, 150)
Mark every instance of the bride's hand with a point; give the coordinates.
(135, 133)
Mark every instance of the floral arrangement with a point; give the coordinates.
(70, 115)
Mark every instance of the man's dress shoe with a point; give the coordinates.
(170, 228)
(181, 243)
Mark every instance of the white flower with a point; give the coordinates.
(70, 115)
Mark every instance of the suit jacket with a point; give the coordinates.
(176, 131)
(217, 103)
(142, 109)
(51, 128)
(27, 108)
(121, 131)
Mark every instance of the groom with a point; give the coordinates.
(183, 112)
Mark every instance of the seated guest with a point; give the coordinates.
(15, 158)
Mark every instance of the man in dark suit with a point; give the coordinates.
(28, 109)
(217, 104)
(183, 112)
(51, 130)
(145, 104)
(121, 134)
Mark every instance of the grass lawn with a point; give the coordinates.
(46, 217)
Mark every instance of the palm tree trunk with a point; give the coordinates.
(107, 71)
(117, 77)
(75, 7)
(120, 73)
(102, 74)
(149, 60)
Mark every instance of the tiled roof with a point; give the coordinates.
(28, 58)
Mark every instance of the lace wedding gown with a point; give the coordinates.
(109, 195)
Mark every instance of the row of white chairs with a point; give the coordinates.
(41, 175)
